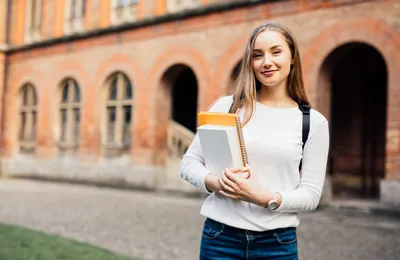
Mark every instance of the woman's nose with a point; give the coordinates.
(267, 61)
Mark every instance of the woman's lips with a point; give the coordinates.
(268, 73)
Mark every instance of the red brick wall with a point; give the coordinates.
(211, 46)
(3, 37)
(2, 61)
(3, 21)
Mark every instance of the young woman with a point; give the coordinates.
(251, 213)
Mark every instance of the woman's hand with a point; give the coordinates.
(246, 189)
(212, 183)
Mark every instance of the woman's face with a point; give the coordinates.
(271, 59)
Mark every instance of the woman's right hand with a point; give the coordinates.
(241, 172)
(212, 183)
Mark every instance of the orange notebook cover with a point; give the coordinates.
(225, 119)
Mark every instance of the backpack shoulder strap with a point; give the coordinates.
(305, 109)
(230, 108)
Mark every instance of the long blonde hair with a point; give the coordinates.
(247, 84)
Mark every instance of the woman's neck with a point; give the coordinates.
(275, 97)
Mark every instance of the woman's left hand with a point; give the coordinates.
(249, 189)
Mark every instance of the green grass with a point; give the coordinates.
(17, 243)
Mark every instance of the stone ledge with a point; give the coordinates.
(118, 172)
(363, 206)
(390, 193)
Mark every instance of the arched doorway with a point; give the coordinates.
(178, 107)
(177, 100)
(353, 79)
(178, 96)
(184, 97)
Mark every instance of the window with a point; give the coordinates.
(123, 11)
(34, 20)
(118, 117)
(27, 114)
(181, 5)
(123, 3)
(69, 116)
(36, 13)
(75, 11)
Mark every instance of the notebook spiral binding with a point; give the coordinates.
(241, 141)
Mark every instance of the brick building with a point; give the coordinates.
(107, 91)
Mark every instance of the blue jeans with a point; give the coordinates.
(223, 242)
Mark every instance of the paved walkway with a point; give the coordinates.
(159, 227)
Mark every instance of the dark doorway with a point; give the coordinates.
(183, 89)
(358, 85)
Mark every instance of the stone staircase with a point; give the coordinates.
(179, 140)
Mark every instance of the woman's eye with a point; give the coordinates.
(276, 52)
(257, 55)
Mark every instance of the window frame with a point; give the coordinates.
(123, 13)
(33, 24)
(173, 7)
(69, 142)
(77, 9)
(27, 128)
(118, 144)
(74, 16)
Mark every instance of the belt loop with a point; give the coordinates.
(222, 227)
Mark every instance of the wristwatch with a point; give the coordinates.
(273, 203)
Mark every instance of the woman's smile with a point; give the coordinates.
(268, 73)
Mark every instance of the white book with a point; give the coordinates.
(221, 147)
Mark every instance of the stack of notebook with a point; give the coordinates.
(221, 139)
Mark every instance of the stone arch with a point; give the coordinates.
(19, 79)
(374, 33)
(354, 76)
(381, 37)
(93, 104)
(182, 55)
(180, 84)
(75, 71)
(118, 91)
(175, 55)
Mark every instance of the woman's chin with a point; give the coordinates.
(270, 84)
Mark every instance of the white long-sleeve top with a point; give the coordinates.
(273, 140)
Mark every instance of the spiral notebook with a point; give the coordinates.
(221, 139)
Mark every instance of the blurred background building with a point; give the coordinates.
(107, 91)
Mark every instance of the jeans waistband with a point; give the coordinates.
(234, 230)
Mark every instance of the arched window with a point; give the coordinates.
(174, 6)
(123, 11)
(33, 20)
(118, 115)
(28, 108)
(69, 115)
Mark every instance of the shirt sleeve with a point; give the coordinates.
(307, 195)
(192, 166)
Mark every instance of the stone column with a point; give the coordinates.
(390, 186)
(3, 47)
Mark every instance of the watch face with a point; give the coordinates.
(273, 205)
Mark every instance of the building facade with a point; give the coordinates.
(107, 91)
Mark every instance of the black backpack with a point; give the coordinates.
(305, 109)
